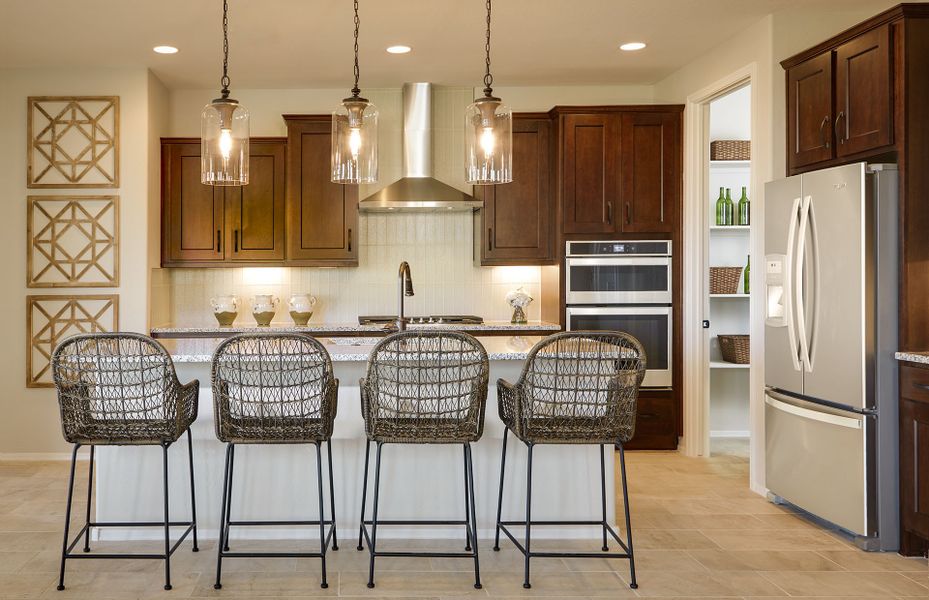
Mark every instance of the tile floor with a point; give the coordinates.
(700, 533)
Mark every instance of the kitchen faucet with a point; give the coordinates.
(404, 288)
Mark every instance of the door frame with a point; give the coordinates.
(696, 438)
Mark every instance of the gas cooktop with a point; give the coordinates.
(432, 319)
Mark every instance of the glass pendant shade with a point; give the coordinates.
(354, 142)
(224, 143)
(488, 142)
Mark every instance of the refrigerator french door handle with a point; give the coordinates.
(815, 415)
(789, 283)
(799, 304)
(814, 324)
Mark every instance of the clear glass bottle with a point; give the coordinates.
(721, 207)
(745, 276)
(744, 208)
(730, 208)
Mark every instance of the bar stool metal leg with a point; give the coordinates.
(526, 583)
(193, 494)
(467, 502)
(335, 535)
(622, 465)
(229, 499)
(64, 544)
(164, 448)
(605, 548)
(222, 520)
(322, 513)
(469, 467)
(90, 489)
(364, 495)
(372, 544)
(506, 431)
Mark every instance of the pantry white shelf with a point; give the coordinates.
(719, 364)
(730, 163)
(740, 228)
(746, 296)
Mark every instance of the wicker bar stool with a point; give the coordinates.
(424, 388)
(120, 389)
(274, 388)
(575, 388)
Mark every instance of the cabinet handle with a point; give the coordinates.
(609, 212)
(921, 386)
(628, 214)
(490, 239)
(349, 239)
(822, 131)
(838, 132)
(219, 240)
(235, 240)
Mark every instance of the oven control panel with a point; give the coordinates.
(620, 248)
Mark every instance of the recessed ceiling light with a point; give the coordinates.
(632, 46)
(400, 49)
(165, 49)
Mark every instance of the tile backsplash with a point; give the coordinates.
(438, 247)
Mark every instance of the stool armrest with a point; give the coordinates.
(509, 404)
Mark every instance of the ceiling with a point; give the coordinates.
(307, 43)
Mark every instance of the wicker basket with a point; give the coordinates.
(731, 150)
(725, 280)
(735, 348)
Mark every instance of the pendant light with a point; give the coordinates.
(354, 134)
(488, 133)
(224, 130)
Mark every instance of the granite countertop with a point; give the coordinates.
(344, 349)
(915, 357)
(212, 330)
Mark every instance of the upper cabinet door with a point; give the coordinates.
(651, 171)
(809, 112)
(515, 225)
(590, 179)
(255, 212)
(864, 95)
(322, 217)
(192, 219)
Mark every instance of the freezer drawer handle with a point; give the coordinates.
(806, 413)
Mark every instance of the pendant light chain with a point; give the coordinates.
(355, 90)
(225, 80)
(488, 78)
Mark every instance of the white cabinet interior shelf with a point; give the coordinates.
(741, 228)
(721, 364)
(746, 296)
(744, 164)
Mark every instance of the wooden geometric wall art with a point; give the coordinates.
(73, 241)
(51, 319)
(73, 142)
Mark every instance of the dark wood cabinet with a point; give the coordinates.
(914, 460)
(590, 189)
(651, 171)
(205, 225)
(192, 213)
(515, 225)
(656, 421)
(322, 217)
(809, 111)
(255, 212)
(863, 93)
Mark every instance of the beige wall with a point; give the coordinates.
(30, 422)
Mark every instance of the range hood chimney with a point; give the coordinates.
(417, 190)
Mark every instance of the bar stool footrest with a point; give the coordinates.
(503, 527)
(128, 555)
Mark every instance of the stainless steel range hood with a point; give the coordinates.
(417, 190)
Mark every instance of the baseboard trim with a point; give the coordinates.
(37, 456)
(729, 433)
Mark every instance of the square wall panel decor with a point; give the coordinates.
(51, 319)
(73, 142)
(73, 241)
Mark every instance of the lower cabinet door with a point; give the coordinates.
(914, 473)
(656, 422)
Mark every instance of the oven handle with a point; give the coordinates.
(651, 261)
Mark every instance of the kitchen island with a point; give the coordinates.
(279, 482)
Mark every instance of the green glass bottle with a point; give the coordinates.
(721, 208)
(730, 208)
(745, 277)
(744, 208)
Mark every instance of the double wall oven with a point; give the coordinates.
(623, 286)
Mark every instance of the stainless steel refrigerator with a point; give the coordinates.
(830, 275)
